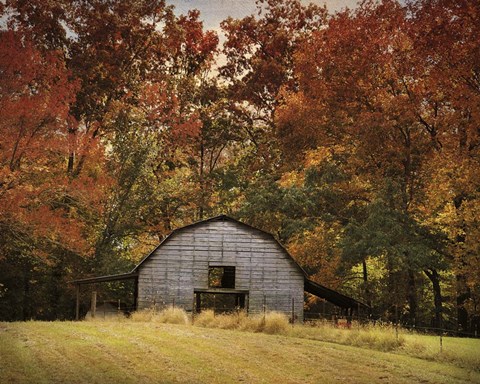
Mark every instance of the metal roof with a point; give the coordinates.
(103, 279)
(334, 297)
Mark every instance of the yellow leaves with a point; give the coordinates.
(471, 225)
(291, 179)
(317, 250)
(319, 155)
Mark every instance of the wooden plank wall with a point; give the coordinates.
(180, 265)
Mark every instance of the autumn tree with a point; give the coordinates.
(259, 61)
(366, 82)
(448, 37)
(353, 138)
(124, 117)
(43, 213)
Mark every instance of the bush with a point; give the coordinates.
(380, 337)
(230, 321)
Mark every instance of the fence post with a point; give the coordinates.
(93, 305)
(441, 343)
(77, 302)
(194, 307)
(396, 322)
(293, 311)
(264, 307)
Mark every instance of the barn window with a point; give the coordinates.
(221, 277)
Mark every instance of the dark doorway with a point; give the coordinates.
(220, 302)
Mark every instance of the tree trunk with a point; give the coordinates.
(55, 292)
(412, 298)
(463, 291)
(366, 287)
(393, 298)
(432, 274)
(202, 182)
(71, 158)
(463, 294)
(26, 308)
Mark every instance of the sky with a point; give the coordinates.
(214, 11)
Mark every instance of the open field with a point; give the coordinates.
(149, 352)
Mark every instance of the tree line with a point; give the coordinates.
(353, 137)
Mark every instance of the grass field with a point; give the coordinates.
(150, 352)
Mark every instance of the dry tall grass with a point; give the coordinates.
(272, 322)
(170, 315)
(382, 337)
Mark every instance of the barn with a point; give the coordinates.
(226, 264)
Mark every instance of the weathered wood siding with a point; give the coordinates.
(181, 263)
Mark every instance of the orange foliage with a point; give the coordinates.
(316, 250)
(35, 98)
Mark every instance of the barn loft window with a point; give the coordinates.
(221, 277)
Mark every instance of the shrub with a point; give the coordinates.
(379, 337)
(253, 323)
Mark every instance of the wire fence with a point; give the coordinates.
(342, 321)
(104, 309)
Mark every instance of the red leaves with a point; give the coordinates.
(35, 97)
(260, 52)
(191, 49)
(163, 113)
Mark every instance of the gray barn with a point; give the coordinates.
(224, 260)
(226, 264)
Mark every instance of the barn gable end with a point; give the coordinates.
(178, 269)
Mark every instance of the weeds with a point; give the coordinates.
(272, 322)
(173, 315)
(380, 337)
(170, 315)
(275, 323)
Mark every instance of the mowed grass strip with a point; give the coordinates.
(112, 352)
